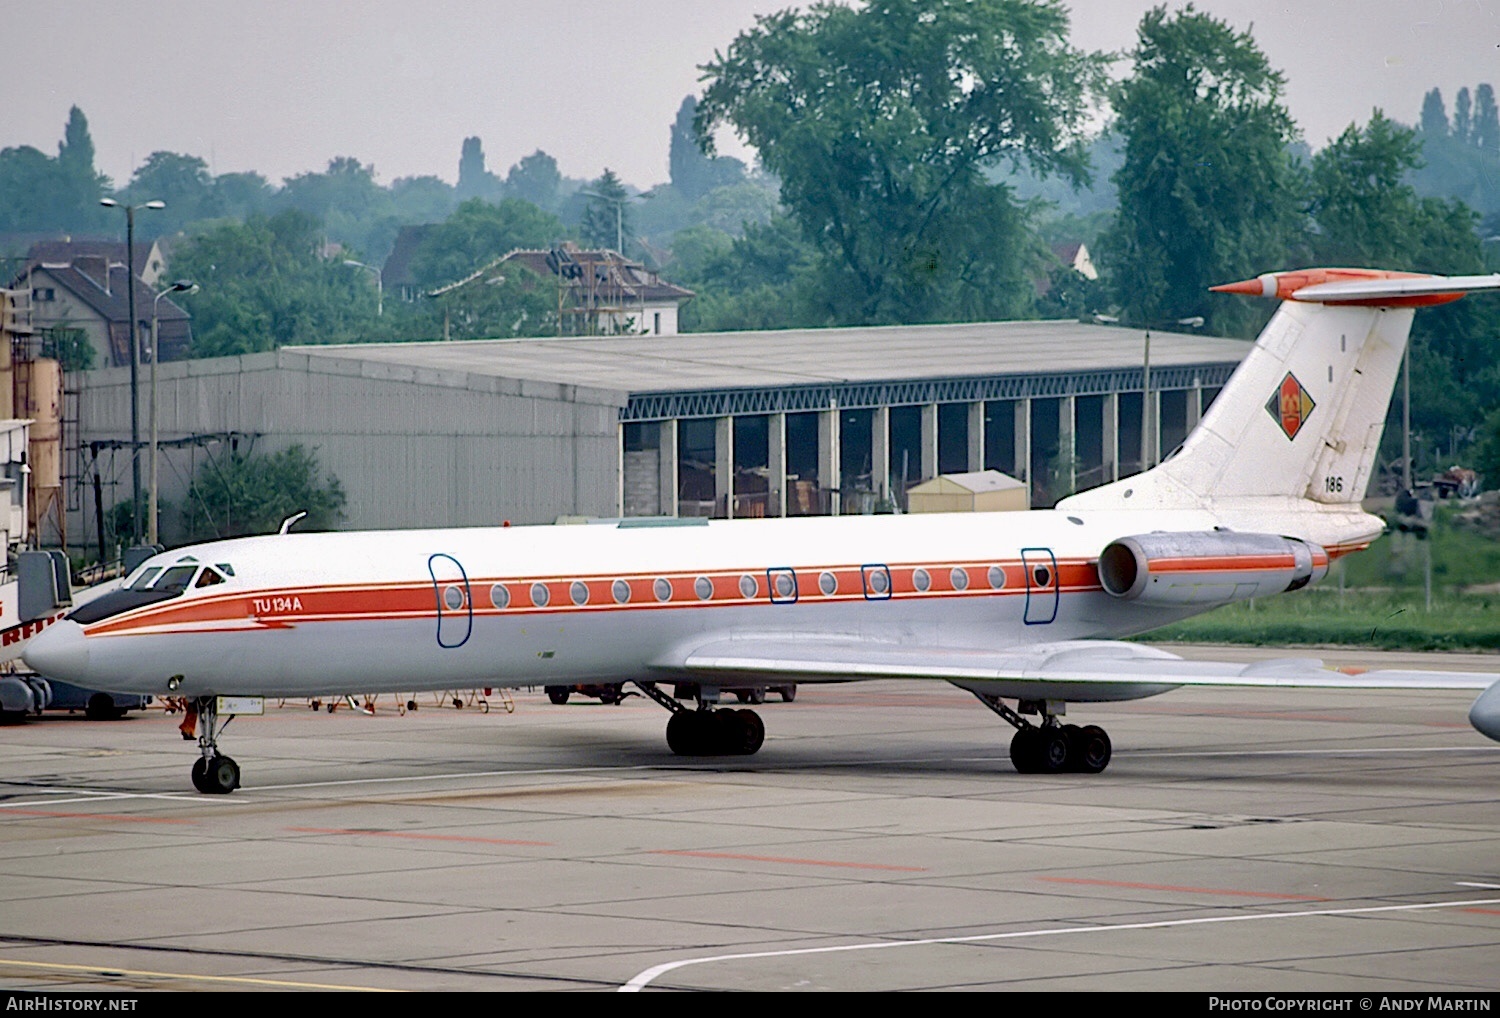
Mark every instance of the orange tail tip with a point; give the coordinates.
(1284, 285)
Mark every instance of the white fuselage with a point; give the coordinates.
(400, 611)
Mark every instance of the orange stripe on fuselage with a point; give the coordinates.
(286, 607)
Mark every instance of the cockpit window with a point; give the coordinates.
(142, 581)
(176, 578)
(208, 578)
(225, 568)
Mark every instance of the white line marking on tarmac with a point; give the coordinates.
(1470, 883)
(641, 980)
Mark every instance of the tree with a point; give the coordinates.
(606, 217)
(183, 182)
(1434, 114)
(476, 234)
(1208, 191)
(695, 174)
(265, 283)
(355, 211)
(1486, 131)
(879, 122)
(255, 494)
(39, 192)
(1366, 212)
(1462, 127)
(535, 179)
(474, 181)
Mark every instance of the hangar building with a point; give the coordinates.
(795, 422)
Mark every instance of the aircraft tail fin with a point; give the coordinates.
(1302, 416)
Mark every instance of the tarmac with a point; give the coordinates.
(1239, 841)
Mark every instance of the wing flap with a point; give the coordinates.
(1075, 663)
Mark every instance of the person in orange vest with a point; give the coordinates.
(189, 726)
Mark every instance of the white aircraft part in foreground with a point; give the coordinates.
(1026, 607)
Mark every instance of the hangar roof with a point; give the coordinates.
(701, 361)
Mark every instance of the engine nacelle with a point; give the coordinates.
(1208, 567)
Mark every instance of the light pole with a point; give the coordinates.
(619, 204)
(135, 358)
(181, 286)
(379, 287)
(1195, 322)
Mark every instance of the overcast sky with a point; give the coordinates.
(282, 86)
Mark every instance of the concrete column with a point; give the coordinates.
(667, 458)
(828, 457)
(619, 470)
(724, 464)
(776, 464)
(928, 468)
(1111, 444)
(1023, 442)
(1067, 441)
(976, 436)
(1194, 405)
(880, 452)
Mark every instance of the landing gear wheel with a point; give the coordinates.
(217, 775)
(683, 733)
(101, 707)
(558, 694)
(1023, 749)
(1091, 750)
(752, 732)
(788, 694)
(1052, 754)
(1040, 750)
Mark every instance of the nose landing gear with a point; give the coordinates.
(213, 773)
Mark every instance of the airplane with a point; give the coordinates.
(1027, 607)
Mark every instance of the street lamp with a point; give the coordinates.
(1194, 322)
(379, 288)
(619, 204)
(135, 357)
(181, 286)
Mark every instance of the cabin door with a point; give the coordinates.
(455, 606)
(1040, 567)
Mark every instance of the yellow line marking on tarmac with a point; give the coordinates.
(108, 970)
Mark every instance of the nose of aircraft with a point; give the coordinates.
(1485, 714)
(60, 651)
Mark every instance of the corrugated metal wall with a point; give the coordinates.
(412, 448)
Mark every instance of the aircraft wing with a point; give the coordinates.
(1078, 663)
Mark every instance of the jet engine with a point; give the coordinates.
(1208, 567)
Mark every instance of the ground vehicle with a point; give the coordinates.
(96, 705)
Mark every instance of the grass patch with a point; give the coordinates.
(1391, 620)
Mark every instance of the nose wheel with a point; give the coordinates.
(213, 773)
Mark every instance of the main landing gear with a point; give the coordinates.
(708, 731)
(213, 774)
(1051, 747)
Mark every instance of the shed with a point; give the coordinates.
(979, 491)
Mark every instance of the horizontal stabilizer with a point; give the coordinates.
(1361, 287)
